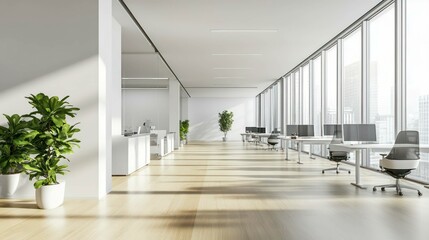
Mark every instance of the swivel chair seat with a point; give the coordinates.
(337, 156)
(273, 140)
(402, 159)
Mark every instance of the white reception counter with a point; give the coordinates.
(130, 153)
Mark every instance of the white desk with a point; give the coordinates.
(358, 149)
(258, 135)
(304, 140)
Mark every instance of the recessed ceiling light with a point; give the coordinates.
(228, 77)
(231, 68)
(244, 30)
(145, 78)
(236, 54)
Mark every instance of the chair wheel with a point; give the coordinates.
(383, 189)
(401, 194)
(350, 172)
(338, 172)
(419, 193)
(374, 189)
(323, 171)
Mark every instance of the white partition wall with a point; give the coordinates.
(58, 52)
(203, 117)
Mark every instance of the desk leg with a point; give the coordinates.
(287, 150)
(242, 138)
(357, 170)
(299, 152)
(311, 148)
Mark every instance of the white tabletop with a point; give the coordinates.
(374, 146)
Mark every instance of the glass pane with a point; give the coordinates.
(352, 77)
(417, 100)
(297, 97)
(317, 101)
(289, 101)
(331, 86)
(381, 95)
(306, 94)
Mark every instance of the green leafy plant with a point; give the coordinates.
(184, 129)
(53, 140)
(225, 121)
(15, 144)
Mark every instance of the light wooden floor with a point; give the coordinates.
(228, 191)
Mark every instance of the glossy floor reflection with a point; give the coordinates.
(229, 191)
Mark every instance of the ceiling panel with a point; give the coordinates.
(186, 33)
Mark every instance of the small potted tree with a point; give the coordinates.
(15, 149)
(53, 140)
(225, 122)
(184, 129)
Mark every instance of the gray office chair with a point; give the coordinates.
(337, 156)
(403, 157)
(273, 140)
(252, 139)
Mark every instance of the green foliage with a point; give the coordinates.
(53, 140)
(15, 144)
(225, 121)
(184, 129)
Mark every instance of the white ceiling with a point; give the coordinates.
(182, 31)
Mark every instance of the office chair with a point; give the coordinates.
(337, 156)
(252, 139)
(273, 140)
(403, 157)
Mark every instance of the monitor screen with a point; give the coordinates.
(305, 130)
(252, 129)
(291, 129)
(360, 132)
(332, 129)
(261, 130)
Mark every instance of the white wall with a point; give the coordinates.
(139, 105)
(116, 105)
(203, 117)
(47, 47)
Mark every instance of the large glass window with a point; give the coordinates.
(352, 81)
(297, 97)
(417, 84)
(331, 85)
(317, 101)
(289, 101)
(306, 94)
(317, 96)
(381, 78)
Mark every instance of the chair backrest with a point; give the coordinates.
(406, 146)
(337, 137)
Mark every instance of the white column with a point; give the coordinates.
(174, 109)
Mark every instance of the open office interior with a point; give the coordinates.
(197, 119)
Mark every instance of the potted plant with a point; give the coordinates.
(53, 140)
(15, 149)
(225, 122)
(184, 129)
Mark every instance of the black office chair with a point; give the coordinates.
(403, 157)
(337, 156)
(273, 140)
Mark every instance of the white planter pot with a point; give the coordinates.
(9, 184)
(50, 196)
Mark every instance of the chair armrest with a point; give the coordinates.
(383, 155)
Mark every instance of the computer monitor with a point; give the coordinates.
(276, 130)
(291, 130)
(360, 132)
(305, 130)
(252, 129)
(332, 129)
(261, 130)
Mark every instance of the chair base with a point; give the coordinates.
(337, 169)
(272, 147)
(398, 186)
